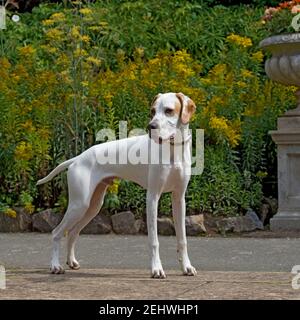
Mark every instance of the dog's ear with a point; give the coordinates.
(188, 107)
(155, 98)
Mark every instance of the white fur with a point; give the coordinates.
(88, 179)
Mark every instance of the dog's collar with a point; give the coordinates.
(188, 138)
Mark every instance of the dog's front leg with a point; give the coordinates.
(178, 206)
(156, 267)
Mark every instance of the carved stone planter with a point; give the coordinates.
(284, 67)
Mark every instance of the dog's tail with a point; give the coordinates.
(56, 171)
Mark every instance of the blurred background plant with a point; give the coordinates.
(71, 68)
(278, 18)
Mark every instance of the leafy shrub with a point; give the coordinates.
(278, 19)
(260, 3)
(68, 71)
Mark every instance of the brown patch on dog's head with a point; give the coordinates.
(152, 108)
(154, 99)
(177, 108)
(187, 109)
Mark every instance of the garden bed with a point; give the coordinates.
(70, 69)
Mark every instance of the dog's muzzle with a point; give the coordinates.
(152, 126)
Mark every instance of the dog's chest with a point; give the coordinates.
(173, 177)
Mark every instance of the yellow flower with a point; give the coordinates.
(218, 69)
(84, 83)
(27, 51)
(103, 23)
(114, 188)
(58, 16)
(48, 22)
(108, 97)
(241, 84)
(85, 38)
(94, 28)
(239, 40)
(54, 34)
(29, 208)
(79, 52)
(15, 77)
(230, 132)
(28, 126)
(24, 151)
(246, 73)
(140, 51)
(44, 133)
(49, 49)
(94, 61)
(75, 32)
(85, 11)
(216, 101)
(10, 213)
(218, 123)
(63, 60)
(4, 63)
(258, 56)
(65, 76)
(206, 81)
(21, 71)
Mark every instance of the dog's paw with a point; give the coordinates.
(157, 271)
(74, 265)
(57, 269)
(158, 274)
(189, 271)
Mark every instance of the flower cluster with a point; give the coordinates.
(10, 213)
(59, 90)
(223, 127)
(293, 6)
(114, 188)
(239, 40)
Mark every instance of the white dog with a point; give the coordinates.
(89, 176)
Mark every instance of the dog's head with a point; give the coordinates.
(170, 112)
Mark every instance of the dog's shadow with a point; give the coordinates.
(44, 275)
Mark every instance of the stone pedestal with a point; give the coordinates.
(284, 67)
(287, 138)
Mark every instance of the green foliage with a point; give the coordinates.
(280, 23)
(132, 197)
(152, 25)
(259, 3)
(222, 189)
(67, 73)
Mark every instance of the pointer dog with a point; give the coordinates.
(89, 176)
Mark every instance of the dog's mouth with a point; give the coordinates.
(160, 140)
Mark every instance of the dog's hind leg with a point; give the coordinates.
(95, 206)
(82, 183)
(76, 212)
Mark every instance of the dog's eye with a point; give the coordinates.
(152, 112)
(169, 111)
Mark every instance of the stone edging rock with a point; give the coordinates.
(125, 223)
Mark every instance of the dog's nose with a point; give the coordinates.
(152, 126)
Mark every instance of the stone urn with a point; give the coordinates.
(284, 67)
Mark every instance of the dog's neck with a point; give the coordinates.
(183, 137)
(180, 149)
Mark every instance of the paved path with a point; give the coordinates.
(33, 250)
(114, 267)
(136, 284)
